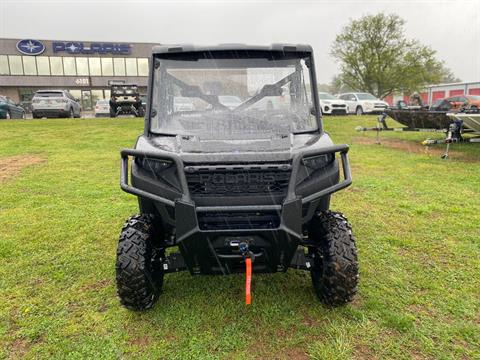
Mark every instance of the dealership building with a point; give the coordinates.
(87, 69)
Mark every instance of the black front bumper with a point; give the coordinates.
(214, 251)
(217, 252)
(51, 113)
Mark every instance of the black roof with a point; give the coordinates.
(162, 49)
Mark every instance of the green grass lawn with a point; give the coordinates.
(416, 218)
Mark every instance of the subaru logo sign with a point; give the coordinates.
(30, 47)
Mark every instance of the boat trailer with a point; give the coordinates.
(452, 135)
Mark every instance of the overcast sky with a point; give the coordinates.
(450, 27)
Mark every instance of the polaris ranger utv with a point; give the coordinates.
(238, 178)
(125, 99)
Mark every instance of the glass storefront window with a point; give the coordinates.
(96, 95)
(56, 65)
(119, 66)
(26, 95)
(69, 66)
(131, 65)
(16, 67)
(77, 94)
(107, 94)
(86, 100)
(107, 66)
(43, 65)
(4, 70)
(95, 68)
(29, 65)
(82, 66)
(142, 67)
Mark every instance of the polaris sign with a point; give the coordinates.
(30, 47)
(92, 48)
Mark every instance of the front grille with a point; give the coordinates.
(238, 180)
(238, 220)
(338, 106)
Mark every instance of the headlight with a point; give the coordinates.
(153, 165)
(318, 161)
(326, 102)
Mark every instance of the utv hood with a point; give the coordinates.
(192, 148)
(195, 144)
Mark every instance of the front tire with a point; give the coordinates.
(335, 270)
(138, 273)
(359, 111)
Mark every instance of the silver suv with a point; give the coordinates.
(54, 103)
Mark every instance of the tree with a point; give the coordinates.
(376, 57)
(337, 86)
(448, 76)
(323, 87)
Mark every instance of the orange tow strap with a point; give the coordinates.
(248, 266)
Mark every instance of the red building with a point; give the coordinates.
(440, 91)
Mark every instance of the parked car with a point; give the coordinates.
(464, 101)
(363, 103)
(441, 105)
(458, 102)
(55, 103)
(183, 104)
(102, 108)
(9, 109)
(331, 105)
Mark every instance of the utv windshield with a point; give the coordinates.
(232, 94)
